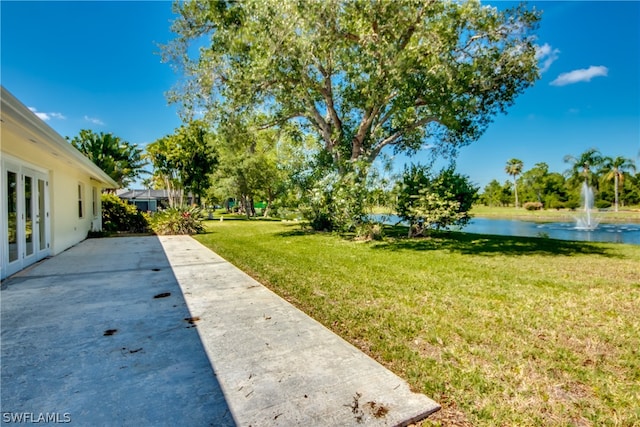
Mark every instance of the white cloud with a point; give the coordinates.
(581, 75)
(47, 116)
(547, 55)
(94, 120)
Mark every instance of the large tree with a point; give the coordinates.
(120, 159)
(363, 75)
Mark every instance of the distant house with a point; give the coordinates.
(145, 200)
(149, 200)
(50, 191)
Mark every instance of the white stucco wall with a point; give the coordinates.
(31, 148)
(67, 228)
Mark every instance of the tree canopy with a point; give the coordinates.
(362, 75)
(184, 161)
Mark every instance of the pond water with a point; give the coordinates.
(612, 233)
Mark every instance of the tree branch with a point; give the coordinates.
(393, 138)
(320, 122)
(327, 93)
(363, 129)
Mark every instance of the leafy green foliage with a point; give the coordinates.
(614, 169)
(184, 161)
(118, 215)
(434, 202)
(255, 164)
(336, 202)
(361, 75)
(495, 194)
(121, 160)
(177, 221)
(584, 168)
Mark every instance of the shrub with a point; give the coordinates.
(602, 204)
(336, 203)
(369, 231)
(556, 204)
(533, 206)
(434, 202)
(177, 221)
(572, 204)
(117, 215)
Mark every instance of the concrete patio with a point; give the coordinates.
(152, 331)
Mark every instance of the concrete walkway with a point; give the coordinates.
(148, 331)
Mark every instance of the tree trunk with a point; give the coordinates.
(615, 186)
(265, 212)
(251, 208)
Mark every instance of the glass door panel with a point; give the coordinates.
(28, 215)
(41, 216)
(12, 214)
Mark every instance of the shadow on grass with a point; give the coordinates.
(484, 244)
(472, 244)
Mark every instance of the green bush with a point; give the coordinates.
(556, 204)
(572, 204)
(369, 231)
(336, 202)
(177, 221)
(602, 204)
(118, 215)
(436, 202)
(533, 206)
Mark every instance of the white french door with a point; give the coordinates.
(26, 234)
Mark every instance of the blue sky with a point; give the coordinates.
(94, 65)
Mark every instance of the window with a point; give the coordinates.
(94, 201)
(80, 200)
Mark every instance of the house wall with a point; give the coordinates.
(67, 228)
(41, 174)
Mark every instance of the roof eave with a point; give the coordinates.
(26, 119)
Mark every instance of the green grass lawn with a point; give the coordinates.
(498, 330)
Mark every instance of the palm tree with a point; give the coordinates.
(615, 169)
(582, 167)
(120, 159)
(514, 168)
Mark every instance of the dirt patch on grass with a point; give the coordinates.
(449, 415)
(427, 350)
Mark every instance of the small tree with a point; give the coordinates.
(336, 202)
(438, 202)
(184, 161)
